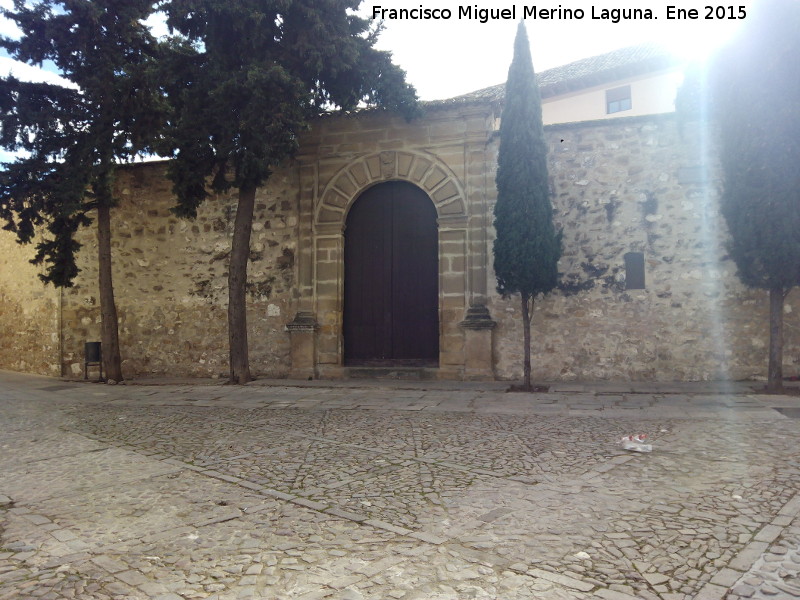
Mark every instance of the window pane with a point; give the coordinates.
(619, 93)
(618, 99)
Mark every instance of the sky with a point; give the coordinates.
(446, 57)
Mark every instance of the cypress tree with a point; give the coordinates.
(527, 247)
(71, 139)
(754, 87)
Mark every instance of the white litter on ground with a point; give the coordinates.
(636, 443)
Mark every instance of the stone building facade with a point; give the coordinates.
(647, 289)
(636, 198)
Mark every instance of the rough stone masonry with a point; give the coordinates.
(623, 187)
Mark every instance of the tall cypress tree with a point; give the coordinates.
(527, 247)
(245, 79)
(73, 138)
(754, 102)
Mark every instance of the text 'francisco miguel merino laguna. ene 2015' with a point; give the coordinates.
(563, 13)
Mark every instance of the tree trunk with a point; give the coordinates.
(109, 336)
(527, 306)
(237, 282)
(775, 377)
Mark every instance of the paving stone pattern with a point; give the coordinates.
(184, 492)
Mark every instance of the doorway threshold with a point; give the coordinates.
(401, 373)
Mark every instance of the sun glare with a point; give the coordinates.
(697, 41)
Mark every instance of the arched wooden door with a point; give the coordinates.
(391, 278)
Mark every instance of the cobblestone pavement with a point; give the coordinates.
(206, 491)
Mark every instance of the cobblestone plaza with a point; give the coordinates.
(420, 491)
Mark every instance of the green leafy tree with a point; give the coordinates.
(754, 104)
(527, 247)
(71, 139)
(245, 78)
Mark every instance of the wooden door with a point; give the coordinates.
(391, 278)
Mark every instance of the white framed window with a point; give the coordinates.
(618, 99)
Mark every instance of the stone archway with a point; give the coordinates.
(318, 324)
(423, 170)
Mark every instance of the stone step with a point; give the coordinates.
(398, 373)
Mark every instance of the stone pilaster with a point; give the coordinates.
(478, 326)
(453, 290)
(302, 331)
(305, 237)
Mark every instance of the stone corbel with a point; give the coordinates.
(303, 333)
(478, 325)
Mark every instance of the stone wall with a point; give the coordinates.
(639, 186)
(170, 280)
(619, 186)
(29, 315)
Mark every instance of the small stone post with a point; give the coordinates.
(302, 331)
(478, 326)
